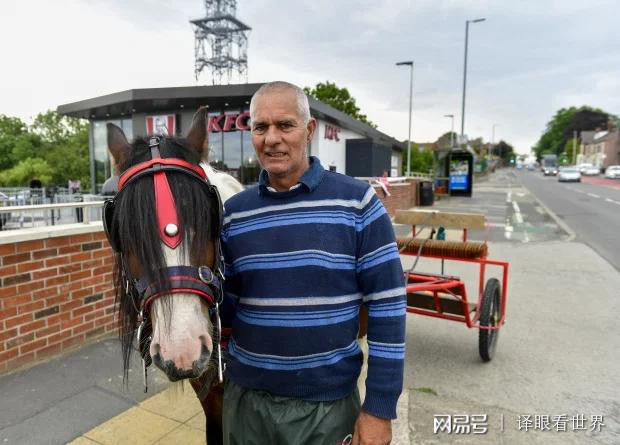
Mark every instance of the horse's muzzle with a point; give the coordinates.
(175, 374)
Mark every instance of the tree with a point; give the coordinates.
(505, 151)
(339, 98)
(25, 171)
(446, 139)
(54, 147)
(421, 160)
(566, 121)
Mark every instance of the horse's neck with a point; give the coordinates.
(225, 183)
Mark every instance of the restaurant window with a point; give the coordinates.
(101, 155)
(230, 144)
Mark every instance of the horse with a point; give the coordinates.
(165, 221)
(164, 227)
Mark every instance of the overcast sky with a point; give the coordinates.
(528, 59)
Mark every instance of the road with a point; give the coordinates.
(591, 210)
(556, 353)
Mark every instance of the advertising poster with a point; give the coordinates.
(459, 175)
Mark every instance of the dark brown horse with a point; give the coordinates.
(164, 227)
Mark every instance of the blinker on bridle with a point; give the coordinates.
(200, 281)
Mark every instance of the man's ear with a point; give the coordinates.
(197, 135)
(118, 146)
(311, 127)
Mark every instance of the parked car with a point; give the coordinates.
(568, 174)
(590, 170)
(613, 172)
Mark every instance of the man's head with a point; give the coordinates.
(281, 130)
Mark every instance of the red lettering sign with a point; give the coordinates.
(229, 122)
(331, 133)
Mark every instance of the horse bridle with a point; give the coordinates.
(202, 281)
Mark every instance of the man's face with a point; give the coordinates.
(280, 136)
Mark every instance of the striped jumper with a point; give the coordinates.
(298, 266)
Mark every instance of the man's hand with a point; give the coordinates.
(371, 430)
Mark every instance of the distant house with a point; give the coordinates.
(600, 148)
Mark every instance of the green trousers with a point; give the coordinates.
(253, 417)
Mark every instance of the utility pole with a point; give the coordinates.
(467, 22)
(409, 63)
(574, 147)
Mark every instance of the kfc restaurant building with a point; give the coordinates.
(342, 143)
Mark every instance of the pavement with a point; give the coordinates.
(556, 356)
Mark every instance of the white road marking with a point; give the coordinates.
(540, 210)
(593, 195)
(508, 196)
(517, 210)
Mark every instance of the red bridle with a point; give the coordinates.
(167, 219)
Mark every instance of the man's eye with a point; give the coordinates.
(259, 128)
(285, 125)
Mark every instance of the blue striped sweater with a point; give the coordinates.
(298, 266)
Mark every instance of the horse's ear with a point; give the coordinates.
(118, 145)
(197, 135)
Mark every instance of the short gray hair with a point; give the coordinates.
(279, 86)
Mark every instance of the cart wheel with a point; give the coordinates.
(489, 316)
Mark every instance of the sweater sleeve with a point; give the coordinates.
(381, 281)
(229, 303)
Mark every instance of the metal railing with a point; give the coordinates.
(17, 216)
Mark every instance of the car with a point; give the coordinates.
(531, 167)
(590, 170)
(550, 170)
(569, 174)
(613, 172)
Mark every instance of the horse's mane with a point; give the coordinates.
(136, 222)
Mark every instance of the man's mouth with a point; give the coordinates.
(276, 154)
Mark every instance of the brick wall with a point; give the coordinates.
(55, 294)
(402, 196)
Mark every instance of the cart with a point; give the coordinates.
(444, 296)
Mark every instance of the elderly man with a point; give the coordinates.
(304, 250)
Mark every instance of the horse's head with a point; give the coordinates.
(164, 227)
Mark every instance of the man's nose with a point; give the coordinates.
(272, 136)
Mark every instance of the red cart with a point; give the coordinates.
(444, 296)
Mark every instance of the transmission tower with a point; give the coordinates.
(221, 42)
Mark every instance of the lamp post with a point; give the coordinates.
(467, 22)
(493, 136)
(409, 63)
(451, 116)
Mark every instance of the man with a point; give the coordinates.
(304, 249)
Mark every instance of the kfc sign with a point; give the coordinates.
(229, 122)
(164, 124)
(332, 133)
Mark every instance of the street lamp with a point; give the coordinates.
(467, 22)
(451, 116)
(493, 136)
(409, 63)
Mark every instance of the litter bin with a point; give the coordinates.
(427, 196)
(78, 211)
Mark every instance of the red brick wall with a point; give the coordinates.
(55, 294)
(402, 196)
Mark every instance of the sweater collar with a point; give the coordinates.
(309, 180)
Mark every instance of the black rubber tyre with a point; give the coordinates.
(489, 316)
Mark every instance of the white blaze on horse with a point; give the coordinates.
(164, 226)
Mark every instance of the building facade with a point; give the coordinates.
(600, 148)
(342, 143)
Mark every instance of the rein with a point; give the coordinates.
(202, 281)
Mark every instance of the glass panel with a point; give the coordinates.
(103, 169)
